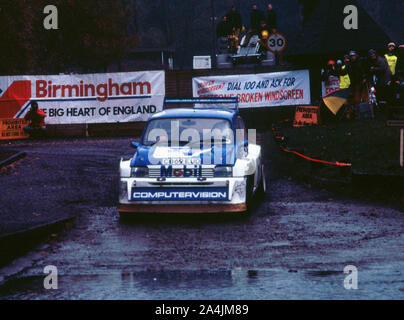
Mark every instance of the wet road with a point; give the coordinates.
(295, 245)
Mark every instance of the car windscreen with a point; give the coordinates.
(188, 130)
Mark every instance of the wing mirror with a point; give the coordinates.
(243, 144)
(134, 144)
(242, 149)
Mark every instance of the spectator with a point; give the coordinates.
(338, 66)
(329, 71)
(263, 29)
(400, 60)
(397, 90)
(271, 20)
(377, 66)
(256, 17)
(344, 80)
(355, 68)
(235, 22)
(263, 34)
(36, 117)
(391, 57)
(355, 72)
(234, 19)
(223, 28)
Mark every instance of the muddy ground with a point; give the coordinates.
(294, 245)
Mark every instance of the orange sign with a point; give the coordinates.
(13, 128)
(306, 116)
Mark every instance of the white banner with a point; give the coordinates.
(331, 85)
(258, 90)
(86, 98)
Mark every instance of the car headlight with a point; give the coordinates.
(223, 171)
(139, 172)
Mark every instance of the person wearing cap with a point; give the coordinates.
(391, 57)
(355, 70)
(378, 66)
(36, 118)
(329, 71)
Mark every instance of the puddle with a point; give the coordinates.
(238, 283)
(324, 273)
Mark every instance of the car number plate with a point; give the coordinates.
(181, 161)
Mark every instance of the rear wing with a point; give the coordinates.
(218, 101)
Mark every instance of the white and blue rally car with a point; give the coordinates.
(193, 160)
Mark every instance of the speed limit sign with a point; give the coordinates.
(276, 42)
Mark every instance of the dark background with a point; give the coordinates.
(126, 35)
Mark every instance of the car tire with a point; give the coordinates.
(262, 187)
(253, 199)
(249, 193)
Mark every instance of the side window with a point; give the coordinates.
(241, 125)
(236, 124)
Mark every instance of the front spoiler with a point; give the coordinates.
(181, 208)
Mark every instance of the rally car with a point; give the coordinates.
(192, 160)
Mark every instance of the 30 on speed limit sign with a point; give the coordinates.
(276, 42)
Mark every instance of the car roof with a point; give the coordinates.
(195, 113)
